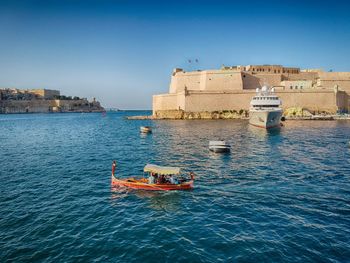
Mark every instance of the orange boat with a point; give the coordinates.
(160, 178)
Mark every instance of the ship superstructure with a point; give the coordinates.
(265, 109)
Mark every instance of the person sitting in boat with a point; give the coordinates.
(161, 179)
(155, 175)
(166, 179)
(171, 180)
(152, 179)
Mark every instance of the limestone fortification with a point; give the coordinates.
(226, 93)
(43, 101)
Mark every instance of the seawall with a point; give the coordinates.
(202, 103)
(46, 106)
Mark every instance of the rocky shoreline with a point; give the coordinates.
(288, 114)
(326, 118)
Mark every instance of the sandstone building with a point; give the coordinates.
(231, 88)
(43, 101)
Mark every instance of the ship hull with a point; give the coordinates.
(266, 119)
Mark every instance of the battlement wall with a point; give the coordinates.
(231, 88)
(204, 101)
(206, 80)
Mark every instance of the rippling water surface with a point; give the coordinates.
(279, 196)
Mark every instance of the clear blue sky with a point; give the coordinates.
(122, 52)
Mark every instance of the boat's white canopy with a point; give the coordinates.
(217, 143)
(151, 168)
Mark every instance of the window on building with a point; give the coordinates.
(291, 87)
(301, 87)
(275, 71)
(296, 87)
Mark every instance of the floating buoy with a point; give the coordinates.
(145, 129)
(219, 146)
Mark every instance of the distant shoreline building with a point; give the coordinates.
(231, 89)
(43, 101)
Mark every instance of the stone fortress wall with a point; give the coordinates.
(43, 101)
(231, 89)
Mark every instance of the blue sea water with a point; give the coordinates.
(280, 196)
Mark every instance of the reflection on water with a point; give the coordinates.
(145, 135)
(263, 133)
(118, 193)
(158, 200)
(169, 201)
(225, 156)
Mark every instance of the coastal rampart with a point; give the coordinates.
(45, 106)
(165, 106)
(230, 89)
(14, 100)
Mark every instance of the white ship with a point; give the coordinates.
(265, 109)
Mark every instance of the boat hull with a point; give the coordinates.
(143, 185)
(220, 149)
(145, 129)
(265, 118)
